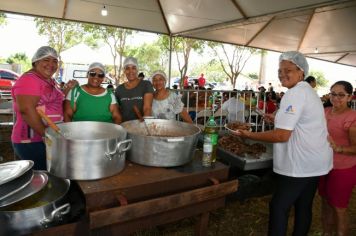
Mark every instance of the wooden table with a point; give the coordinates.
(141, 197)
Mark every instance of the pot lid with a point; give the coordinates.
(13, 169)
(38, 182)
(16, 185)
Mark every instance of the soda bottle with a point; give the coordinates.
(211, 130)
(207, 151)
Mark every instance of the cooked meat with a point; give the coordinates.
(238, 125)
(240, 148)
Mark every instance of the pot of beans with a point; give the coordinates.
(168, 143)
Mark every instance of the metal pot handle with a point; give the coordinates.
(56, 213)
(174, 140)
(119, 149)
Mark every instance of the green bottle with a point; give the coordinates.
(212, 131)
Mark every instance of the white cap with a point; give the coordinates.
(43, 52)
(298, 59)
(130, 61)
(97, 65)
(159, 72)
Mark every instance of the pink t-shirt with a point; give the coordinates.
(51, 102)
(338, 128)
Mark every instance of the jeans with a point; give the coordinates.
(35, 152)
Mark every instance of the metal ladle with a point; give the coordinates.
(140, 117)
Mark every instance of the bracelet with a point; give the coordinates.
(339, 149)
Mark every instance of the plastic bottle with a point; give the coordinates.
(207, 152)
(211, 131)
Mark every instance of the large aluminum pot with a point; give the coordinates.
(86, 150)
(46, 208)
(170, 143)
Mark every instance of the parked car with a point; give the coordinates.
(7, 80)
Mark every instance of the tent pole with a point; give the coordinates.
(170, 60)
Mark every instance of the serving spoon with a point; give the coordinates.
(140, 117)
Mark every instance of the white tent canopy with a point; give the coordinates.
(322, 29)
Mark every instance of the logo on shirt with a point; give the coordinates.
(131, 99)
(290, 109)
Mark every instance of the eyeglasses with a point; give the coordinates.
(338, 95)
(93, 74)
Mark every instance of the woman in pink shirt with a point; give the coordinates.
(336, 187)
(36, 89)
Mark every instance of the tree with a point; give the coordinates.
(321, 82)
(253, 76)
(232, 58)
(2, 18)
(212, 70)
(149, 57)
(114, 37)
(182, 47)
(262, 74)
(61, 34)
(21, 59)
(2, 22)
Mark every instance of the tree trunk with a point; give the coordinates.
(262, 75)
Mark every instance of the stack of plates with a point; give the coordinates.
(18, 181)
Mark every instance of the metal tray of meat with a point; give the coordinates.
(248, 162)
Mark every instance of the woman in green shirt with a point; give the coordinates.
(92, 102)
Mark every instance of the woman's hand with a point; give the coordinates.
(241, 133)
(269, 118)
(69, 85)
(333, 145)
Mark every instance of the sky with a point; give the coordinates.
(20, 35)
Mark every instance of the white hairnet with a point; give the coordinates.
(43, 52)
(159, 72)
(97, 65)
(130, 61)
(297, 58)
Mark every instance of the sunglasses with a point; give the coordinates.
(93, 74)
(338, 95)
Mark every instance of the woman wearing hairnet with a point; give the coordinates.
(92, 102)
(34, 90)
(134, 92)
(301, 152)
(166, 104)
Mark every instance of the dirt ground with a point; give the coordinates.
(248, 218)
(237, 218)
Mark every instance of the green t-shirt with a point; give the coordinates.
(90, 107)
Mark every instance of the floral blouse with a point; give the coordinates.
(167, 108)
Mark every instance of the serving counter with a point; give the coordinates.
(142, 197)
